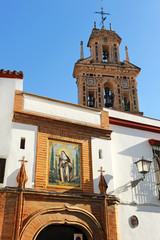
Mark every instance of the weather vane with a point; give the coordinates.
(102, 14)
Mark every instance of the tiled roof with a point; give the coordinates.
(11, 74)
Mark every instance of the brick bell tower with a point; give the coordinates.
(102, 79)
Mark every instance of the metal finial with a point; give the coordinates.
(94, 24)
(110, 26)
(102, 14)
(127, 56)
(82, 55)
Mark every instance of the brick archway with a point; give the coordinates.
(65, 214)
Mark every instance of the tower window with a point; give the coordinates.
(84, 88)
(116, 54)
(2, 169)
(99, 90)
(105, 39)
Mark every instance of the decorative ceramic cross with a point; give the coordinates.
(23, 160)
(101, 170)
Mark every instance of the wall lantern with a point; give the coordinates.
(143, 167)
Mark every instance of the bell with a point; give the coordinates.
(105, 55)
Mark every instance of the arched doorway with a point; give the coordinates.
(62, 215)
(61, 232)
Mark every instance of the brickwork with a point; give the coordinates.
(18, 100)
(87, 212)
(113, 218)
(8, 209)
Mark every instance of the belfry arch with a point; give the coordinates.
(109, 94)
(62, 215)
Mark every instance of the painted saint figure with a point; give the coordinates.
(65, 167)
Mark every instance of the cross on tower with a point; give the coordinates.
(102, 14)
(101, 170)
(23, 160)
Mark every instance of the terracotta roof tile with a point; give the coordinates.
(11, 74)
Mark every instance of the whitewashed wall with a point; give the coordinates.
(15, 154)
(127, 146)
(11, 134)
(7, 90)
(149, 219)
(105, 163)
(61, 110)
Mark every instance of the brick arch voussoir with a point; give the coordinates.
(64, 214)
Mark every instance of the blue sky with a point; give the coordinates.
(42, 39)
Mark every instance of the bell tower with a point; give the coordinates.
(102, 79)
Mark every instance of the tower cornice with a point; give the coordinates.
(120, 68)
(101, 33)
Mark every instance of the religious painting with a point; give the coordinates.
(64, 164)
